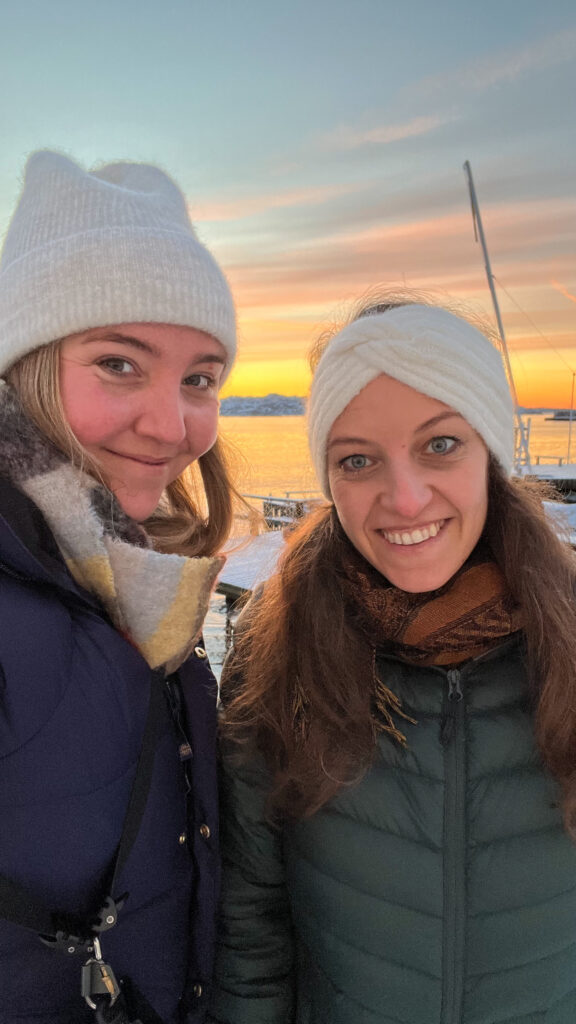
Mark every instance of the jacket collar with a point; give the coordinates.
(27, 546)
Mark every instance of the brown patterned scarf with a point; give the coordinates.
(466, 617)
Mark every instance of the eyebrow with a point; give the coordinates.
(438, 419)
(423, 426)
(148, 346)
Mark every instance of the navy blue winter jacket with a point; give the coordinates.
(73, 701)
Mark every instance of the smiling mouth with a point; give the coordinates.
(409, 537)
(141, 459)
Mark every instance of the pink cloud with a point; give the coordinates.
(251, 206)
(530, 243)
(563, 291)
(348, 137)
(502, 66)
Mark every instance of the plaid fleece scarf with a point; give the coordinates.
(157, 601)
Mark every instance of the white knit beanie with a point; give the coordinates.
(90, 249)
(431, 350)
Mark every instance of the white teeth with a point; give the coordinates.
(414, 536)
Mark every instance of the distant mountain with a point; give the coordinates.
(270, 405)
(525, 411)
(291, 405)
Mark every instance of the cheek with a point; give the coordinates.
(476, 507)
(202, 429)
(86, 415)
(351, 504)
(78, 405)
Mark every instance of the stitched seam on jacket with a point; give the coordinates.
(527, 963)
(542, 1014)
(497, 840)
(362, 823)
(504, 773)
(403, 770)
(365, 892)
(350, 998)
(379, 899)
(523, 906)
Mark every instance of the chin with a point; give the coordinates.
(138, 509)
(424, 587)
(418, 583)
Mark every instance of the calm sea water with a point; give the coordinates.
(275, 461)
(551, 437)
(275, 453)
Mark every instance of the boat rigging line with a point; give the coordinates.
(522, 449)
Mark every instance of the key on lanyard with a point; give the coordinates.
(98, 979)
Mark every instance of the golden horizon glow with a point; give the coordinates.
(538, 385)
(256, 378)
(288, 293)
(542, 374)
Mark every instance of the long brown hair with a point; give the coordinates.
(305, 695)
(196, 514)
(298, 685)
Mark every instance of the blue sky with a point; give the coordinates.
(320, 146)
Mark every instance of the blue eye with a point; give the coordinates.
(355, 463)
(442, 445)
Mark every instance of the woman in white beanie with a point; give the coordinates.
(400, 732)
(117, 329)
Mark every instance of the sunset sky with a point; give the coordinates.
(320, 145)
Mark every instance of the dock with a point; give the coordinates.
(252, 560)
(249, 562)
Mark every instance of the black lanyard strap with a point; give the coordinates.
(72, 933)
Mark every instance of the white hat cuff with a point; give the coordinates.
(159, 279)
(91, 249)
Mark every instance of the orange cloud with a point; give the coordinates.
(352, 138)
(300, 272)
(250, 206)
(529, 241)
(563, 291)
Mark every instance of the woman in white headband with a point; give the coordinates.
(400, 730)
(117, 329)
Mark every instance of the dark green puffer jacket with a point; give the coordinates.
(441, 889)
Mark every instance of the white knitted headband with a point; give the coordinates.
(90, 249)
(431, 350)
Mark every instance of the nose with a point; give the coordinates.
(406, 492)
(161, 416)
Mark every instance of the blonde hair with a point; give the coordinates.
(196, 513)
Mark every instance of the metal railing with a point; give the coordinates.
(279, 511)
(557, 460)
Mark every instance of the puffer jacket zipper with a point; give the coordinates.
(454, 742)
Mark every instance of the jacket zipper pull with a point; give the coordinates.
(455, 695)
(454, 689)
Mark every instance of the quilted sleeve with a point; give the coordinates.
(253, 980)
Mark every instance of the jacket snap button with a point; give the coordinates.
(197, 990)
(205, 831)
(200, 652)
(182, 838)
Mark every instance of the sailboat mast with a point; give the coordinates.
(522, 455)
